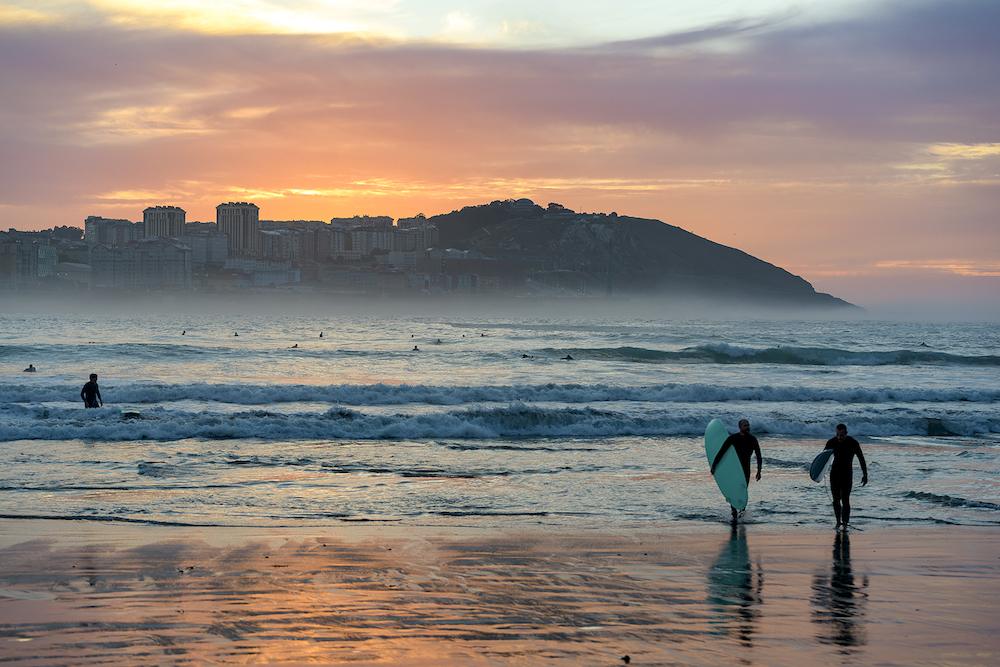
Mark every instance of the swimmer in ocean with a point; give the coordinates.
(30, 368)
(91, 394)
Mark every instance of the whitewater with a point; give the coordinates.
(303, 420)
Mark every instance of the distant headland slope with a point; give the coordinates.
(636, 256)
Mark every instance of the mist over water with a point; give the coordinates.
(486, 422)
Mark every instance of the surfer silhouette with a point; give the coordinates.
(845, 448)
(745, 445)
(91, 394)
(30, 368)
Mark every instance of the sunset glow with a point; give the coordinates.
(856, 146)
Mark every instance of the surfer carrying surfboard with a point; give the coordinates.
(845, 448)
(744, 445)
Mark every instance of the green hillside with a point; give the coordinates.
(632, 255)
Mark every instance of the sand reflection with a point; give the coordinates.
(839, 599)
(90, 594)
(735, 587)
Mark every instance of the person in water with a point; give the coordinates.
(30, 368)
(845, 448)
(91, 394)
(745, 445)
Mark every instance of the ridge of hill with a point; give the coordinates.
(625, 255)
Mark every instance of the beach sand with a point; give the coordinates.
(86, 593)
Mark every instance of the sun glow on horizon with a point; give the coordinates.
(515, 23)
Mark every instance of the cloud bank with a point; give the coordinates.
(865, 143)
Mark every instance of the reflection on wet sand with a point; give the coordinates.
(408, 602)
(838, 600)
(86, 594)
(735, 587)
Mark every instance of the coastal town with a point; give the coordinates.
(239, 252)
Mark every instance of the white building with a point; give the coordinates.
(149, 264)
(264, 272)
(368, 239)
(109, 230)
(25, 263)
(207, 248)
(240, 221)
(163, 221)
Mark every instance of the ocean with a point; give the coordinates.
(444, 420)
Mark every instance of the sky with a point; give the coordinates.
(856, 144)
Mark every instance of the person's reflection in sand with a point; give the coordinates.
(734, 588)
(838, 600)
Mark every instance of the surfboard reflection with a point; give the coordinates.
(734, 588)
(839, 601)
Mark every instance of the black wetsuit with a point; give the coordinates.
(745, 445)
(91, 395)
(842, 474)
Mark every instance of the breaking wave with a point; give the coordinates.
(722, 353)
(515, 420)
(405, 394)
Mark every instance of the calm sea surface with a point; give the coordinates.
(449, 420)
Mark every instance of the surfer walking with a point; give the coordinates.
(745, 445)
(91, 394)
(845, 448)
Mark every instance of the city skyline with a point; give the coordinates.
(855, 145)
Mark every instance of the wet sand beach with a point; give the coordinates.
(86, 593)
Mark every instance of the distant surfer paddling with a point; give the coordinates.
(845, 448)
(91, 394)
(744, 444)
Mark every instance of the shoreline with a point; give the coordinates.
(331, 303)
(82, 592)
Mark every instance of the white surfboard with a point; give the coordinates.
(820, 464)
(729, 474)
